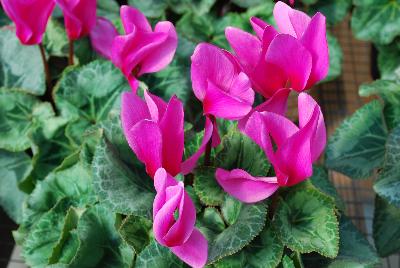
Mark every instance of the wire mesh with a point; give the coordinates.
(339, 99)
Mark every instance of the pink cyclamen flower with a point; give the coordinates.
(102, 36)
(179, 234)
(142, 50)
(155, 132)
(30, 18)
(219, 83)
(297, 57)
(291, 2)
(79, 17)
(297, 146)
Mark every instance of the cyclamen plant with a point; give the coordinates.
(120, 175)
(155, 130)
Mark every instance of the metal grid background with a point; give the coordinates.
(338, 99)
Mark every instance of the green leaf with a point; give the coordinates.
(206, 186)
(136, 232)
(334, 10)
(387, 185)
(321, 181)
(45, 235)
(55, 39)
(307, 222)
(118, 186)
(199, 7)
(150, 8)
(247, 3)
(376, 20)
(14, 167)
(108, 9)
(249, 224)
(239, 151)
(100, 245)
(386, 230)
(71, 181)
(90, 92)
(287, 262)
(212, 219)
(229, 19)
(354, 248)
(335, 58)
(389, 61)
(237, 260)
(357, 147)
(266, 250)
(231, 209)
(155, 255)
(195, 28)
(389, 91)
(16, 119)
(21, 66)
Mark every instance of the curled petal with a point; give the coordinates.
(223, 105)
(164, 53)
(290, 21)
(189, 164)
(195, 251)
(102, 36)
(156, 106)
(258, 26)
(245, 187)
(306, 107)
(132, 19)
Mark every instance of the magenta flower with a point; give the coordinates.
(102, 36)
(79, 17)
(180, 235)
(245, 187)
(297, 146)
(142, 50)
(155, 132)
(219, 83)
(295, 58)
(30, 18)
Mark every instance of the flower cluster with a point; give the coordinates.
(273, 63)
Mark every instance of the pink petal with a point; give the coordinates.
(300, 21)
(145, 139)
(162, 180)
(133, 110)
(314, 39)
(245, 187)
(293, 158)
(102, 36)
(258, 26)
(279, 127)
(268, 78)
(276, 104)
(306, 107)
(268, 35)
(156, 106)
(181, 230)
(281, 15)
(209, 63)
(172, 130)
(189, 164)
(287, 54)
(30, 18)
(247, 47)
(224, 105)
(79, 17)
(195, 251)
(134, 19)
(163, 55)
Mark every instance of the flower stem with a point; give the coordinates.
(45, 66)
(273, 204)
(71, 53)
(207, 156)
